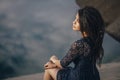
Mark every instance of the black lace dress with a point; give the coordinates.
(81, 54)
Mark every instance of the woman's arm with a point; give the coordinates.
(74, 52)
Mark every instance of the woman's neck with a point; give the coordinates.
(84, 34)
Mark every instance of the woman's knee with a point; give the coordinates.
(52, 72)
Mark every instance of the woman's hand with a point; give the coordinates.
(53, 58)
(50, 65)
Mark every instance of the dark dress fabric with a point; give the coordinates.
(81, 54)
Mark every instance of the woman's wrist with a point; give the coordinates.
(50, 61)
(54, 61)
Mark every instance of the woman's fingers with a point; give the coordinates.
(49, 65)
(46, 65)
(53, 58)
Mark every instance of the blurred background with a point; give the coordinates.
(33, 30)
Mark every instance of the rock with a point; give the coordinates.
(110, 71)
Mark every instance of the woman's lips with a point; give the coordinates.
(74, 27)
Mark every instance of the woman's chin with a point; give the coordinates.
(74, 29)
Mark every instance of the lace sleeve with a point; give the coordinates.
(74, 52)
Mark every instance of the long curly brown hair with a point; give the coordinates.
(92, 23)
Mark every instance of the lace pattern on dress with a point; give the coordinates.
(78, 48)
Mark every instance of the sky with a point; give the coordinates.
(33, 30)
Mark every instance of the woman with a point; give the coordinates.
(85, 53)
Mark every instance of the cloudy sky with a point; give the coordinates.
(33, 30)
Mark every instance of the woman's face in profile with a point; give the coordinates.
(76, 24)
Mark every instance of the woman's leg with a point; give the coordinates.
(47, 76)
(51, 74)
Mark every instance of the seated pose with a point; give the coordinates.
(85, 53)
